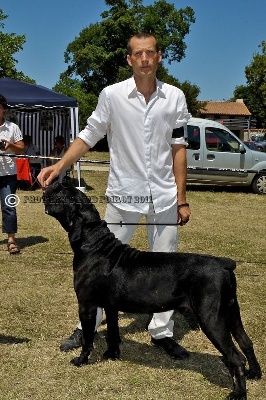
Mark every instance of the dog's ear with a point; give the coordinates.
(75, 233)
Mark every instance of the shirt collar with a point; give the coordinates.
(132, 89)
(4, 124)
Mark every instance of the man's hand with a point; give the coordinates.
(75, 151)
(183, 214)
(47, 175)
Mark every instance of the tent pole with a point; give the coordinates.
(78, 172)
(75, 130)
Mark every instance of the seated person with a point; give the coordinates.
(58, 151)
(31, 149)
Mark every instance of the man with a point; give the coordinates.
(145, 121)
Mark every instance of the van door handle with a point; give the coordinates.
(196, 156)
(210, 156)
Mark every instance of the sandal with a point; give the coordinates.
(13, 248)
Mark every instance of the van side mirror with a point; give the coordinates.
(242, 149)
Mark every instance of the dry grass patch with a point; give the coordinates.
(38, 308)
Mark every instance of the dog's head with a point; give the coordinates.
(68, 205)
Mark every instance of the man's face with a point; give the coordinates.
(144, 59)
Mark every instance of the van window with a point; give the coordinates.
(193, 137)
(220, 140)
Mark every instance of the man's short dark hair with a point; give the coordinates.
(3, 102)
(141, 35)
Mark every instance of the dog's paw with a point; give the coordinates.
(254, 374)
(79, 361)
(111, 355)
(236, 396)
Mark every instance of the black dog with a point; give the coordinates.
(116, 277)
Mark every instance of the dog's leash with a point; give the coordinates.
(140, 223)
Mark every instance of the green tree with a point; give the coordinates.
(10, 43)
(97, 57)
(254, 93)
(73, 88)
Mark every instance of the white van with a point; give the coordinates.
(216, 156)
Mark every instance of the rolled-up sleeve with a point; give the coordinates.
(98, 122)
(17, 134)
(179, 135)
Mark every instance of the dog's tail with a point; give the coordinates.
(228, 263)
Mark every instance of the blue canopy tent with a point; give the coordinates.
(41, 113)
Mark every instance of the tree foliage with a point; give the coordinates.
(254, 93)
(10, 44)
(97, 57)
(73, 88)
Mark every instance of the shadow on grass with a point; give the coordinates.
(7, 339)
(210, 366)
(28, 241)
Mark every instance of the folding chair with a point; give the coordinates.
(24, 172)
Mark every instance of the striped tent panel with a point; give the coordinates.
(44, 125)
(74, 120)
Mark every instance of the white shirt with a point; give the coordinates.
(140, 138)
(10, 132)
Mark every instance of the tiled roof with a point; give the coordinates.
(225, 108)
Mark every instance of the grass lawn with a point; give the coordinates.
(39, 308)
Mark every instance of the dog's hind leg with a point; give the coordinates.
(243, 341)
(87, 317)
(214, 323)
(113, 338)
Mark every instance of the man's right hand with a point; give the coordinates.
(75, 151)
(47, 175)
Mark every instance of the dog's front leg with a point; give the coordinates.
(113, 337)
(88, 322)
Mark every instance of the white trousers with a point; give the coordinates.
(160, 237)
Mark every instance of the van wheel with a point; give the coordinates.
(259, 184)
